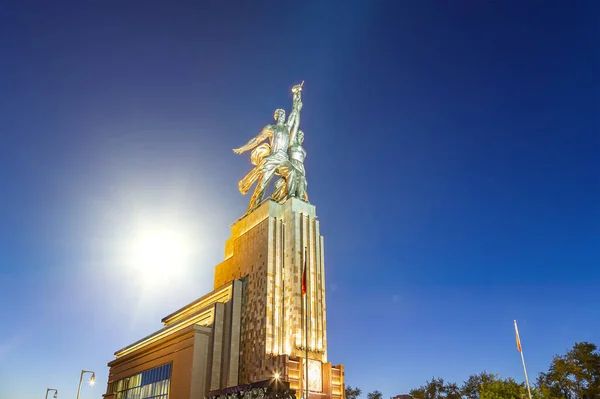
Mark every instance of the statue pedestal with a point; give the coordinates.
(267, 247)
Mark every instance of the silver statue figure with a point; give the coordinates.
(297, 155)
(285, 188)
(273, 158)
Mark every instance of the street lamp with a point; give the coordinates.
(52, 389)
(276, 377)
(92, 380)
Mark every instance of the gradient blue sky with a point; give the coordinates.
(453, 156)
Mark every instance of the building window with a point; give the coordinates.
(149, 384)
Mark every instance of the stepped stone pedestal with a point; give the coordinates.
(270, 247)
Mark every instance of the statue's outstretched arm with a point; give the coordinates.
(295, 124)
(293, 121)
(262, 136)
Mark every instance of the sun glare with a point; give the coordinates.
(159, 254)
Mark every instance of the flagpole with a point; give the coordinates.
(302, 323)
(307, 395)
(522, 359)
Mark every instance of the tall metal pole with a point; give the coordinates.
(306, 321)
(80, 379)
(302, 323)
(522, 359)
(526, 378)
(92, 379)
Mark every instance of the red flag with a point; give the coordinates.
(304, 275)
(518, 339)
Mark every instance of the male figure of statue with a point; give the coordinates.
(277, 161)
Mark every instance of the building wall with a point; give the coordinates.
(203, 357)
(177, 349)
(252, 265)
(332, 379)
(268, 246)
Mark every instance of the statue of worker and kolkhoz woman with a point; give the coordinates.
(282, 156)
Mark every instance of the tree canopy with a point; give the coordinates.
(574, 375)
(352, 393)
(374, 395)
(478, 386)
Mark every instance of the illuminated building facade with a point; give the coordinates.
(254, 325)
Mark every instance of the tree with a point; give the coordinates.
(478, 386)
(352, 393)
(452, 391)
(433, 389)
(543, 389)
(502, 389)
(417, 393)
(574, 375)
(374, 395)
(471, 387)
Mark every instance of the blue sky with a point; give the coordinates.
(453, 156)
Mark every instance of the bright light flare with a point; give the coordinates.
(159, 255)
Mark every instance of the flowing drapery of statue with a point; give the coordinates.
(283, 156)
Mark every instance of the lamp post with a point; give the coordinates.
(92, 380)
(52, 389)
(276, 376)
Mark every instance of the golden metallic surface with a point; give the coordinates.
(282, 156)
(259, 153)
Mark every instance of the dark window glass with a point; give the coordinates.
(150, 384)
